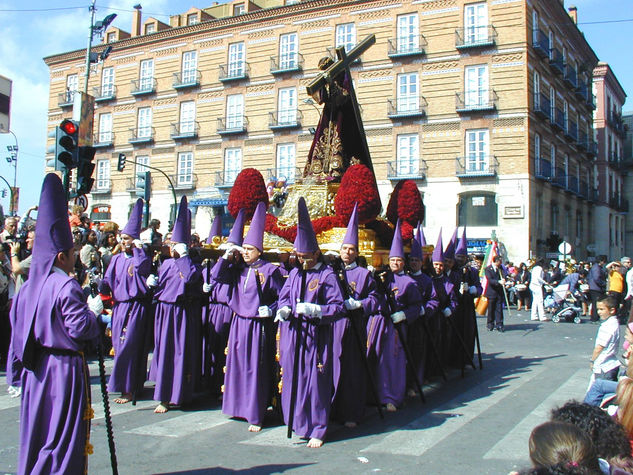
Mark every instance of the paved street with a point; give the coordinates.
(478, 424)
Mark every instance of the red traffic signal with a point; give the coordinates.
(68, 126)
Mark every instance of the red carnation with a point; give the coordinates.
(248, 190)
(358, 185)
(406, 203)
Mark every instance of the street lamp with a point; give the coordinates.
(99, 27)
(13, 160)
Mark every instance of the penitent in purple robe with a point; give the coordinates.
(131, 319)
(383, 343)
(416, 336)
(465, 318)
(350, 398)
(439, 326)
(55, 415)
(317, 362)
(251, 345)
(176, 363)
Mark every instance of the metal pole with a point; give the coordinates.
(92, 22)
(9, 186)
(171, 185)
(15, 172)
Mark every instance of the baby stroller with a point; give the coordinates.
(555, 296)
(569, 309)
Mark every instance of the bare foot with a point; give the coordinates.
(350, 424)
(391, 407)
(124, 399)
(254, 428)
(315, 443)
(162, 408)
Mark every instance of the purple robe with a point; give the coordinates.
(54, 429)
(317, 363)
(251, 345)
(176, 363)
(350, 398)
(383, 343)
(465, 317)
(438, 324)
(416, 337)
(131, 315)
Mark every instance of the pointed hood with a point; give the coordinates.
(420, 235)
(306, 239)
(416, 248)
(462, 247)
(216, 229)
(351, 236)
(449, 252)
(438, 252)
(397, 250)
(133, 226)
(182, 228)
(237, 231)
(255, 235)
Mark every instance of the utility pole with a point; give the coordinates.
(90, 36)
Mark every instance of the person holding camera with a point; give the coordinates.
(21, 259)
(10, 229)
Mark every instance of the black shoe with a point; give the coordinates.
(490, 329)
(500, 329)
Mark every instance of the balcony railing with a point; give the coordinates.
(289, 174)
(102, 186)
(618, 203)
(571, 133)
(582, 140)
(143, 86)
(581, 90)
(103, 140)
(184, 181)
(543, 169)
(286, 63)
(142, 135)
(475, 36)
(232, 125)
(571, 76)
(556, 61)
(591, 100)
(592, 148)
(614, 158)
(407, 170)
(542, 105)
(616, 123)
(406, 107)
(472, 101)
(559, 119)
(412, 45)
(184, 130)
(559, 179)
(234, 71)
(289, 119)
(104, 93)
(540, 42)
(476, 166)
(187, 79)
(66, 99)
(572, 184)
(583, 189)
(226, 178)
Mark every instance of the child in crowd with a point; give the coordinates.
(604, 361)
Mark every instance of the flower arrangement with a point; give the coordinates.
(248, 190)
(406, 204)
(289, 233)
(358, 185)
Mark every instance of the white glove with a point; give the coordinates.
(447, 312)
(138, 243)
(264, 311)
(230, 249)
(463, 288)
(370, 268)
(398, 317)
(206, 288)
(282, 314)
(352, 304)
(95, 304)
(309, 309)
(181, 249)
(422, 310)
(472, 290)
(152, 281)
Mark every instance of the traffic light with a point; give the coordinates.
(66, 144)
(85, 169)
(121, 165)
(144, 185)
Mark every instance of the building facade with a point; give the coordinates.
(486, 105)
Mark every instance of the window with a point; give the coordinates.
(71, 87)
(146, 82)
(144, 122)
(286, 162)
(192, 19)
(475, 23)
(537, 90)
(551, 46)
(537, 155)
(408, 33)
(553, 156)
(477, 143)
(187, 117)
(103, 174)
(111, 37)
(346, 36)
(477, 208)
(234, 111)
(288, 47)
(232, 164)
(287, 106)
(150, 28)
(535, 26)
(105, 128)
(236, 59)
(189, 65)
(141, 162)
(554, 218)
(408, 93)
(185, 168)
(566, 115)
(476, 86)
(552, 103)
(579, 225)
(566, 170)
(239, 9)
(107, 82)
(408, 155)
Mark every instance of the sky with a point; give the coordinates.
(34, 29)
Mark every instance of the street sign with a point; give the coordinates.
(564, 248)
(82, 200)
(551, 255)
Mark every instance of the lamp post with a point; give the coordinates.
(13, 161)
(98, 27)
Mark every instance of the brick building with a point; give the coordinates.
(486, 105)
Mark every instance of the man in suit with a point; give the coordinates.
(597, 280)
(494, 293)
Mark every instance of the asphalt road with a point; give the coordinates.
(477, 424)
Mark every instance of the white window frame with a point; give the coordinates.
(535, 26)
(537, 90)
(150, 28)
(187, 122)
(476, 86)
(408, 155)
(105, 127)
(144, 122)
(234, 111)
(189, 73)
(72, 84)
(346, 36)
(287, 106)
(103, 174)
(184, 176)
(475, 23)
(141, 163)
(107, 81)
(146, 75)
(286, 161)
(288, 51)
(192, 19)
(111, 37)
(237, 59)
(551, 45)
(408, 39)
(408, 93)
(477, 147)
(232, 163)
(552, 104)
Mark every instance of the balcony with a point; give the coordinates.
(556, 61)
(66, 99)
(559, 119)
(543, 169)
(226, 178)
(406, 46)
(571, 134)
(232, 125)
(234, 71)
(104, 93)
(407, 170)
(143, 86)
(186, 79)
(184, 130)
(141, 135)
(184, 181)
(289, 174)
(475, 37)
(559, 179)
(286, 63)
(102, 186)
(406, 107)
(616, 123)
(592, 148)
(572, 184)
(582, 140)
(476, 101)
(618, 203)
(476, 166)
(540, 42)
(571, 76)
(614, 159)
(581, 91)
(103, 140)
(285, 119)
(542, 106)
(583, 189)
(591, 100)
